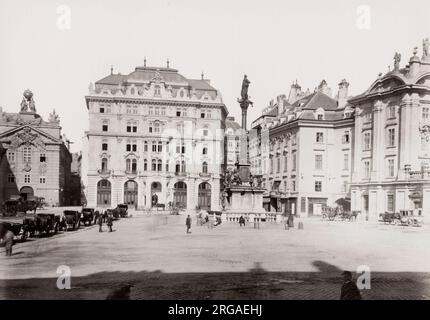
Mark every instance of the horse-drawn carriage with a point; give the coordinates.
(122, 210)
(17, 204)
(403, 218)
(331, 213)
(72, 219)
(87, 216)
(11, 226)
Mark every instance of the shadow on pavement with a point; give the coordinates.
(256, 283)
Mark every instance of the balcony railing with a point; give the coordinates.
(104, 172)
(419, 175)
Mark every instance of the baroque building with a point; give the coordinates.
(392, 147)
(155, 138)
(304, 145)
(34, 157)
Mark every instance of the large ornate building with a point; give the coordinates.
(392, 145)
(34, 159)
(154, 138)
(303, 150)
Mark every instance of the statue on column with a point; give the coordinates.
(245, 86)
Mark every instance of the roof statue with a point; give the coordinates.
(426, 47)
(53, 117)
(27, 103)
(397, 58)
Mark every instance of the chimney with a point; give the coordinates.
(342, 94)
(323, 87)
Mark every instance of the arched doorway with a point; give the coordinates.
(103, 193)
(155, 193)
(130, 193)
(26, 193)
(204, 199)
(180, 194)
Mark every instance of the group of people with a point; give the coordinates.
(105, 217)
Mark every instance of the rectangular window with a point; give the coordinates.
(134, 109)
(294, 161)
(318, 186)
(367, 169)
(426, 114)
(134, 129)
(319, 137)
(151, 111)
(128, 110)
(42, 179)
(128, 147)
(178, 113)
(286, 163)
(391, 168)
(366, 142)
(293, 185)
(318, 162)
(345, 186)
(163, 111)
(27, 154)
(390, 202)
(391, 137)
(145, 146)
(202, 115)
(303, 204)
(11, 156)
(345, 137)
(134, 147)
(391, 112)
(27, 178)
(42, 157)
(345, 161)
(105, 127)
(102, 110)
(10, 178)
(278, 164)
(154, 146)
(320, 117)
(160, 147)
(128, 128)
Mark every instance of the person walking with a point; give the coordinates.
(100, 222)
(110, 222)
(241, 221)
(188, 224)
(8, 240)
(349, 289)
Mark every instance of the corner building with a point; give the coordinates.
(154, 138)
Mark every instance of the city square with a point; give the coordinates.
(154, 253)
(159, 150)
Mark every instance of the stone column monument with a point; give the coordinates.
(243, 195)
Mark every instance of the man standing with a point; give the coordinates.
(188, 223)
(100, 222)
(110, 222)
(349, 289)
(8, 240)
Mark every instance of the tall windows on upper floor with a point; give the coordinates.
(391, 137)
(367, 140)
(425, 115)
(27, 154)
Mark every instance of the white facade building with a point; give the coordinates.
(392, 147)
(154, 138)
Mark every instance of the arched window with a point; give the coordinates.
(104, 165)
(134, 165)
(145, 165)
(205, 167)
(205, 151)
(154, 165)
(128, 165)
(156, 127)
(183, 168)
(159, 165)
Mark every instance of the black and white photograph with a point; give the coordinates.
(196, 150)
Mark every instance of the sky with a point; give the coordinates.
(57, 48)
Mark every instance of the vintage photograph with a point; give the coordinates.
(214, 150)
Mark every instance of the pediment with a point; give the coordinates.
(28, 136)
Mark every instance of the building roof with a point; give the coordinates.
(231, 124)
(146, 74)
(316, 100)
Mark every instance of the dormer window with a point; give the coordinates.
(157, 91)
(320, 117)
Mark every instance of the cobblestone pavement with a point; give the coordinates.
(227, 262)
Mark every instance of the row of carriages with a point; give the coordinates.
(47, 224)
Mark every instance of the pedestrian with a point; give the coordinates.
(8, 240)
(100, 222)
(188, 224)
(110, 222)
(349, 289)
(290, 220)
(241, 221)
